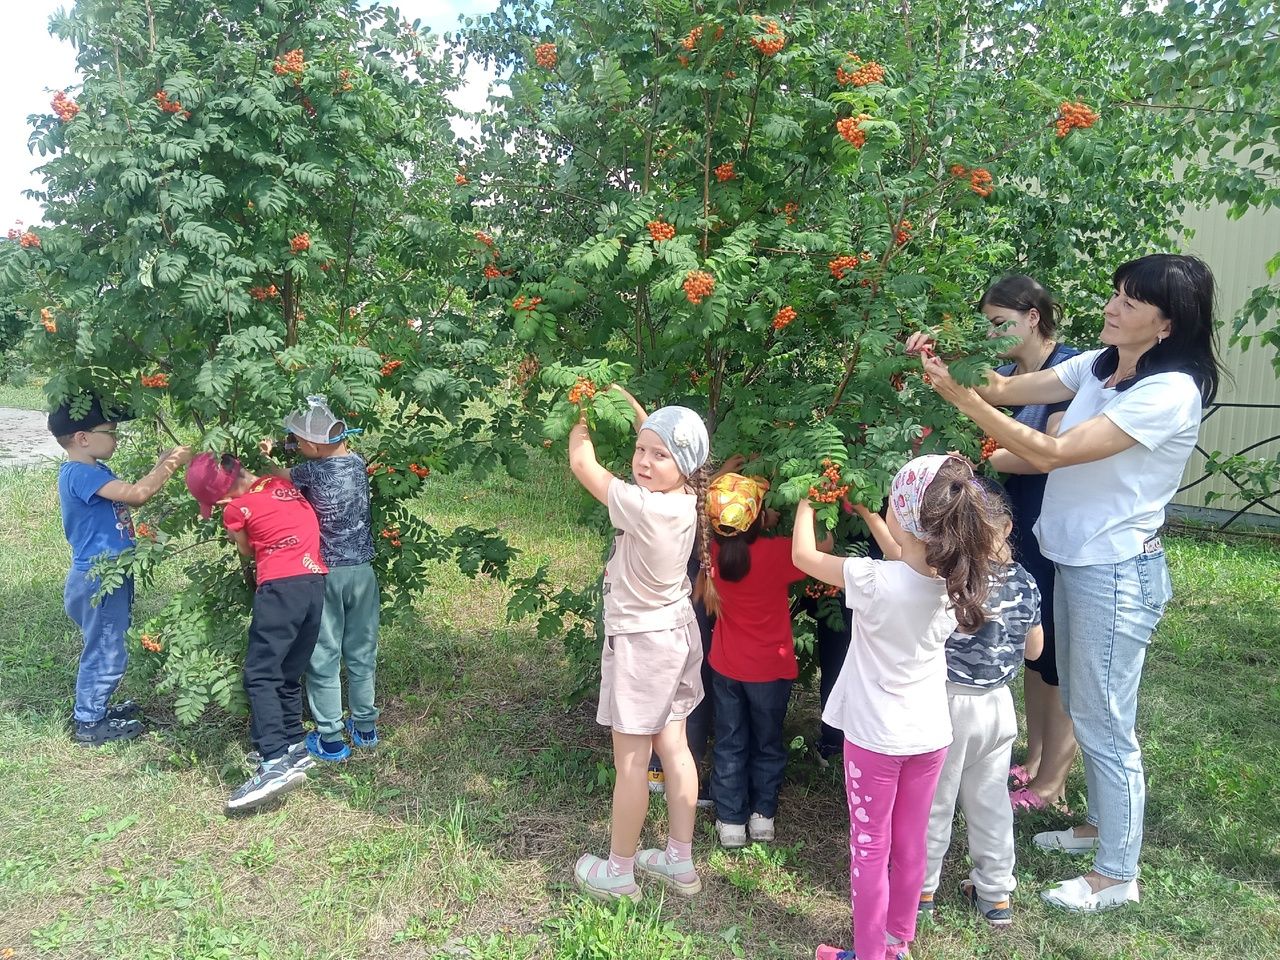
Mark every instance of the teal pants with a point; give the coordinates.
(348, 635)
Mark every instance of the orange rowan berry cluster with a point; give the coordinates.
(171, 106)
(854, 73)
(390, 366)
(29, 239)
(584, 389)
(46, 318)
(980, 182)
(958, 169)
(420, 472)
(263, 293)
(698, 284)
(291, 63)
(1073, 115)
(819, 590)
(300, 243)
(841, 264)
(492, 273)
(145, 531)
(155, 380)
(692, 39)
(64, 106)
(851, 129)
(151, 644)
(391, 533)
(544, 55)
(460, 179)
(530, 304)
(903, 233)
(660, 230)
(784, 317)
(684, 61)
(724, 172)
(345, 77)
(789, 210)
(372, 469)
(773, 40)
(989, 446)
(832, 489)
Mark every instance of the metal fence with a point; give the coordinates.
(1262, 500)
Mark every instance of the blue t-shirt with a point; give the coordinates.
(990, 657)
(95, 527)
(338, 490)
(1026, 490)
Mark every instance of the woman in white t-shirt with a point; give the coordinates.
(1113, 466)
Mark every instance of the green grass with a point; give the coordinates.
(457, 837)
(28, 396)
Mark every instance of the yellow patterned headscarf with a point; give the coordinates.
(734, 502)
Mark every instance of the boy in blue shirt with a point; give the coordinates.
(95, 517)
(335, 482)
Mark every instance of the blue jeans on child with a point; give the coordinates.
(749, 756)
(104, 658)
(1104, 616)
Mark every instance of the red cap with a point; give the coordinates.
(210, 478)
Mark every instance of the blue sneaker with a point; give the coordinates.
(315, 747)
(364, 739)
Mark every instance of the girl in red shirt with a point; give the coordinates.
(753, 658)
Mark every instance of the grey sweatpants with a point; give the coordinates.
(977, 773)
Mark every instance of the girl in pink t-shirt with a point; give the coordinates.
(650, 669)
(891, 699)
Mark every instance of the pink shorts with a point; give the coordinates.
(647, 680)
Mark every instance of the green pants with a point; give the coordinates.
(348, 634)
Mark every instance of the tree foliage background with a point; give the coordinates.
(741, 207)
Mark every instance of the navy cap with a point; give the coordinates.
(64, 419)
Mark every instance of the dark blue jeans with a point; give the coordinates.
(749, 754)
(697, 726)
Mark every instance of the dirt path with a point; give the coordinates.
(24, 438)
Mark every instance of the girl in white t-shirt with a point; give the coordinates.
(650, 671)
(1134, 413)
(891, 697)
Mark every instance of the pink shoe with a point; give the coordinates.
(592, 874)
(1024, 799)
(825, 952)
(1018, 774)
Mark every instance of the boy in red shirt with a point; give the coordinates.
(269, 519)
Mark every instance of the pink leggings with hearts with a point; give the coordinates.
(889, 801)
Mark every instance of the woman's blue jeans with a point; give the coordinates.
(1104, 617)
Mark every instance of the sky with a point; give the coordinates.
(33, 65)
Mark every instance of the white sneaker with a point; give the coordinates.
(1065, 840)
(732, 835)
(1077, 896)
(761, 828)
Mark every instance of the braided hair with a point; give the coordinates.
(704, 588)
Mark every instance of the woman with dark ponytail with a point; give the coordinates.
(1134, 414)
(942, 543)
(1018, 306)
(745, 586)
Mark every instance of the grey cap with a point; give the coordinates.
(683, 433)
(317, 423)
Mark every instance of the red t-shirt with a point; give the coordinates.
(752, 641)
(282, 529)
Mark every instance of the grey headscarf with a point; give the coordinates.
(683, 433)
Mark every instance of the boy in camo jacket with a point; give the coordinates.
(980, 668)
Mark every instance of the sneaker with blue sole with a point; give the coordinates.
(364, 739)
(273, 778)
(316, 747)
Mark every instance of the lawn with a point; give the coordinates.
(457, 836)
